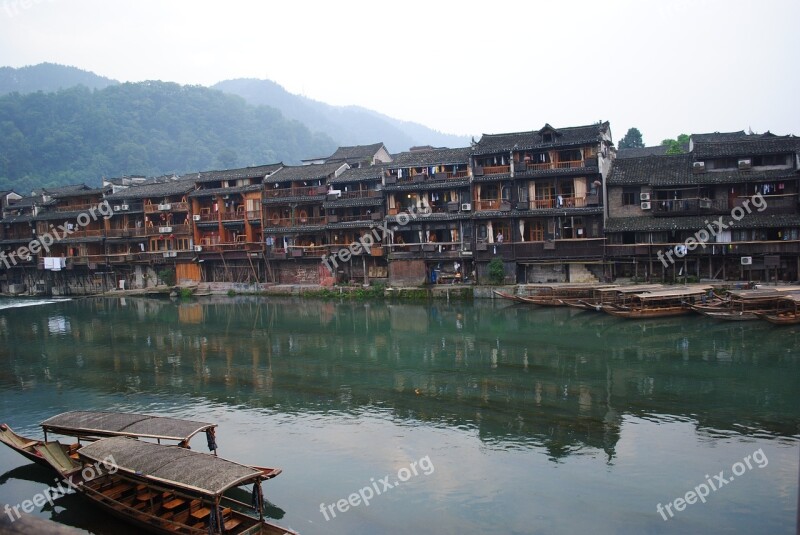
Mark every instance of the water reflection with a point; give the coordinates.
(521, 377)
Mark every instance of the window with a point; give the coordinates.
(769, 159)
(723, 163)
(630, 196)
(547, 137)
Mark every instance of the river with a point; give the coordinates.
(462, 418)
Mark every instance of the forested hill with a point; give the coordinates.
(149, 128)
(48, 77)
(350, 125)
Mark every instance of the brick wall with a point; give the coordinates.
(299, 272)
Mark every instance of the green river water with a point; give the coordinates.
(501, 418)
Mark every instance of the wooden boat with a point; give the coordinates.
(614, 295)
(558, 294)
(510, 297)
(787, 311)
(27, 447)
(161, 488)
(741, 305)
(658, 304)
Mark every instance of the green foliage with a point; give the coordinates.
(497, 272)
(167, 276)
(185, 293)
(676, 146)
(231, 292)
(632, 139)
(150, 128)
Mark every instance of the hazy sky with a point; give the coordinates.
(665, 67)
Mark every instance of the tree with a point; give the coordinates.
(632, 139)
(497, 272)
(676, 146)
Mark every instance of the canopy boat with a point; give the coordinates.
(91, 425)
(613, 295)
(559, 294)
(510, 297)
(659, 304)
(160, 488)
(787, 311)
(741, 305)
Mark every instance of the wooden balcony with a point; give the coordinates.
(591, 248)
(166, 207)
(125, 232)
(358, 194)
(287, 222)
(157, 230)
(548, 166)
(549, 204)
(693, 206)
(496, 169)
(304, 191)
(366, 218)
(76, 207)
(237, 215)
(431, 251)
(491, 204)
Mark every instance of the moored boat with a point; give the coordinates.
(740, 305)
(787, 311)
(160, 488)
(658, 304)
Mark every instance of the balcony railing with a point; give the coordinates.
(288, 222)
(232, 216)
(76, 207)
(358, 217)
(304, 191)
(547, 166)
(546, 204)
(496, 169)
(156, 230)
(253, 214)
(689, 206)
(125, 232)
(492, 204)
(166, 207)
(359, 194)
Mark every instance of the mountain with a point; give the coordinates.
(48, 77)
(148, 128)
(350, 125)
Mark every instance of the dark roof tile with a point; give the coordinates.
(424, 158)
(570, 136)
(695, 223)
(305, 172)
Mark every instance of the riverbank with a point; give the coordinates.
(443, 291)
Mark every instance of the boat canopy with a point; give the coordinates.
(170, 465)
(110, 424)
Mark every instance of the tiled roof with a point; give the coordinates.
(355, 154)
(25, 202)
(359, 174)
(259, 172)
(694, 223)
(304, 172)
(676, 169)
(659, 150)
(154, 189)
(668, 169)
(423, 158)
(492, 214)
(426, 185)
(717, 137)
(750, 146)
(571, 136)
(61, 190)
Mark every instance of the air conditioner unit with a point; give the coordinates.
(165, 206)
(165, 230)
(116, 208)
(196, 217)
(645, 205)
(745, 163)
(198, 248)
(699, 167)
(466, 207)
(644, 196)
(747, 260)
(125, 207)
